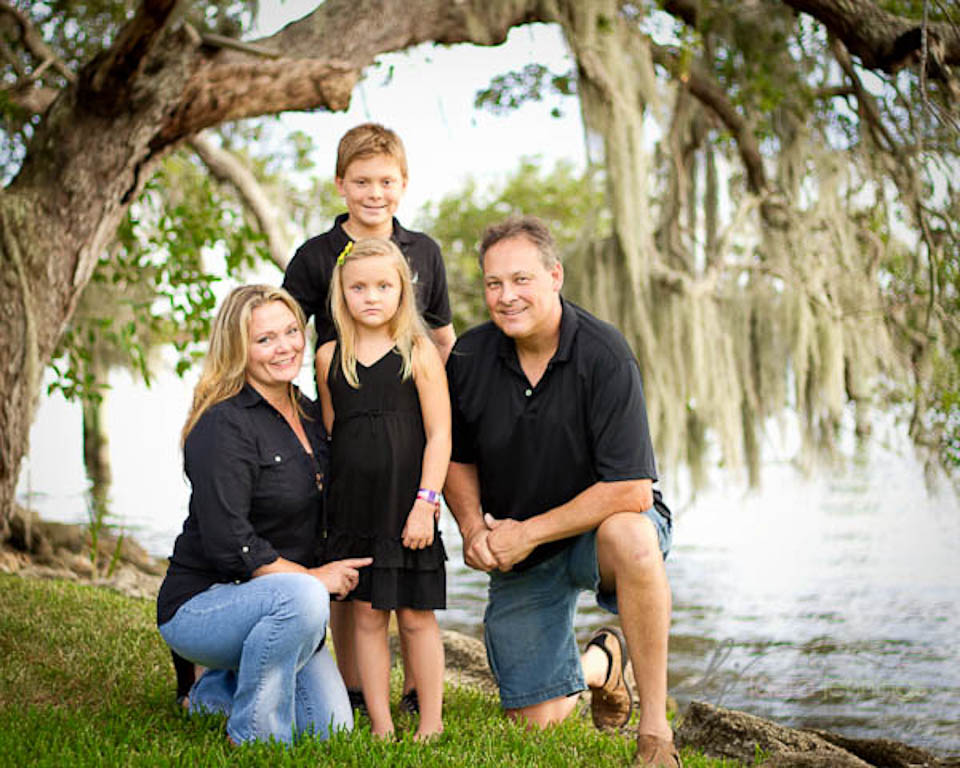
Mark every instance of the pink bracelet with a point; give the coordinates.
(431, 497)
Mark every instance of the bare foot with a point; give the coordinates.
(428, 734)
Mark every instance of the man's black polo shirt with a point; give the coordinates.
(308, 275)
(537, 447)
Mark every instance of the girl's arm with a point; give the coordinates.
(324, 356)
(431, 381)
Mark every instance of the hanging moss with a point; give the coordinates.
(730, 340)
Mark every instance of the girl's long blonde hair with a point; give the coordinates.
(225, 367)
(406, 326)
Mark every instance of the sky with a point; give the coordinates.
(429, 102)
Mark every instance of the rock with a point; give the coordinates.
(804, 760)
(11, 561)
(132, 582)
(738, 736)
(34, 571)
(466, 661)
(74, 561)
(67, 547)
(883, 752)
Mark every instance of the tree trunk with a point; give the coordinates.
(96, 441)
(102, 138)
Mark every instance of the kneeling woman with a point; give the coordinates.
(242, 596)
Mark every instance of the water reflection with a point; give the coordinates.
(835, 607)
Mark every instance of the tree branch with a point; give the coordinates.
(33, 42)
(226, 167)
(30, 98)
(709, 92)
(882, 40)
(325, 53)
(107, 82)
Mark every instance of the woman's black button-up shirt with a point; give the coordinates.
(256, 496)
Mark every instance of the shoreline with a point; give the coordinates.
(36, 549)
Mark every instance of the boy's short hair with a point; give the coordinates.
(369, 140)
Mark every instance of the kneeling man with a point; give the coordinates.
(551, 484)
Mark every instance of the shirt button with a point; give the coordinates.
(244, 548)
(528, 392)
(277, 458)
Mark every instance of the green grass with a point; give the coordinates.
(85, 680)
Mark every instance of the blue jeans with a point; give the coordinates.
(528, 624)
(259, 641)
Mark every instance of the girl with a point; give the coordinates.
(385, 403)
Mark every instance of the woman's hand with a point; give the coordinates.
(418, 532)
(341, 576)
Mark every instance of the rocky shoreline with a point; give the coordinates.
(37, 549)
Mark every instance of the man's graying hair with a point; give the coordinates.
(529, 227)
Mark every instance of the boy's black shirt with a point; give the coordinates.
(308, 275)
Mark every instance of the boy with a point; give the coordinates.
(371, 176)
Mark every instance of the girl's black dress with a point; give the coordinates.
(376, 457)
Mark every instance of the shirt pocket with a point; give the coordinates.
(283, 479)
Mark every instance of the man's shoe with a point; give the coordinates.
(654, 752)
(611, 703)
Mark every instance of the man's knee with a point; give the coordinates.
(628, 540)
(545, 713)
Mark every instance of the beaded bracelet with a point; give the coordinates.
(431, 497)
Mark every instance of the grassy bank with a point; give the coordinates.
(85, 680)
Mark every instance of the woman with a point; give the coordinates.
(241, 596)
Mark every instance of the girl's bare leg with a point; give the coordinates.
(341, 628)
(373, 657)
(425, 649)
(408, 681)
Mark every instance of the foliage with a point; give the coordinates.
(154, 286)
(570, 202)
(87, 681)
(74, 31)
(512, 89)
(783, 220)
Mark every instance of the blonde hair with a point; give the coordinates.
(406, 326)
(225, 366)
(369, 140)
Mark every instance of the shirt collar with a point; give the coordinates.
(568, 330)
(400, 235)
(249, 397)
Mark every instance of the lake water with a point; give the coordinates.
(832, 603)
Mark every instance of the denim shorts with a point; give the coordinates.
(528, 623)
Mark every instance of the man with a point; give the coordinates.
(551, 485)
